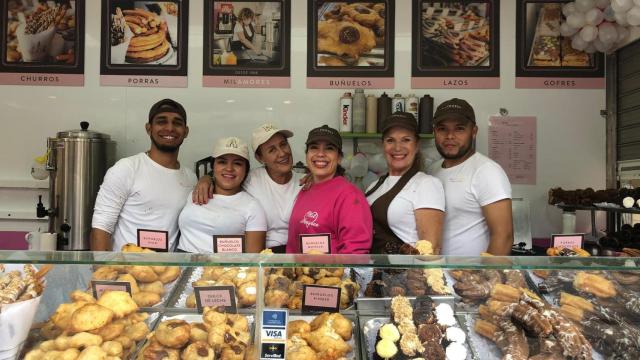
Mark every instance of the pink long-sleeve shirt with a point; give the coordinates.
(336, 207)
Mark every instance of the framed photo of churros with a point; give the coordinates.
(350, 44)
(544, 58)
(456, 44)
(247, 44)
(144, 43)
(42, 42)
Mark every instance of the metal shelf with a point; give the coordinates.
(599, 208)
(378, 136)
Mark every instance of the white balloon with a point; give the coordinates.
(607, 33)
(609, 14)
(566, 30)
(576, 20)
(623, 34)
(621, 18)
(621, 5)
(637, 2)
(599, 45)
(589, 33)
(601, 4)
(578, 44)
(568, 9)
(633, 16)
(585, 5)
(590, 49)
(593, 17)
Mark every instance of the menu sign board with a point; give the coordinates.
(568, 241)
(544, 58)
(247, 44)
(317, 299)
(98, 287)
(157, 240)
(144, 43)
(455, 44)
(350, 44)
(229, 244)
(315, 243)
(215, 297)
(42, 43)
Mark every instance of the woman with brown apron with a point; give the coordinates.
(243, 31)
(407, 205)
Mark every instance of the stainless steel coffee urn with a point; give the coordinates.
(77, 162)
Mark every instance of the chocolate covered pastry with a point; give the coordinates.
(546, 51)
(345, 38)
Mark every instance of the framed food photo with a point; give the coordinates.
(544, 58)
(42, 42)
(247, 44)
(455, 44)
(144, 43)
(350, 44)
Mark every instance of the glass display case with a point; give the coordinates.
(390, 306)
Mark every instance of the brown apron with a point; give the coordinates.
(384, 240)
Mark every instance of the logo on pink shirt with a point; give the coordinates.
(310, 219)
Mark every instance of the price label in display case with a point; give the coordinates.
(273, 334)
(568, 241)
(315, 243)
(216, 296)
(98, 287)
(157, 240)
(228, 244)
(317, 299)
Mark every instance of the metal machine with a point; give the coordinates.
(77, 163)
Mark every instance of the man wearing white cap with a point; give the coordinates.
(231, 212)
(274, 185)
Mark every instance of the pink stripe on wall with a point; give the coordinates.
(559, 83)
(13, 240)
(455, 82)
(42, 79)
(144, 81)
(349, 83)
(247, 81)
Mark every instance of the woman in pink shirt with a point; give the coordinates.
(332, 206)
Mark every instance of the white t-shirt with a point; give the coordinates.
(421, 192)
(138, 193)
(238, 29)
(276, 200)
(477, 182)
(222, 215)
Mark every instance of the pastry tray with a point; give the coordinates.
(371, 324)
(486, 347)
(354, 342)
(169, 290)
(382, 306)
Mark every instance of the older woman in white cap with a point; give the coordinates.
(274, 185)
(231, 212)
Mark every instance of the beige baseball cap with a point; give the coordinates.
(264, 132)
(231, 145)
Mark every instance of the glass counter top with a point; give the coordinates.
(298, 260)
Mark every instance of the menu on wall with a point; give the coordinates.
(544, 58)
(247, 44)
(512, 144)
(455, 45)
(43, 43)
(350, 45)
(144, 43)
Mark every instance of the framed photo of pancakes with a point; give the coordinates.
(144, 43)
(350, 44)
(455, 44)
(42, 42)
(545, 58)
(247, 43)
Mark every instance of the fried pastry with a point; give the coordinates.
(119, 302)
(90, 317)
(298, 327)
(62, 317)
(170, 274)
(199, 332)
(131, 280)
(105, 273)
(137, 331)
(146, 299)
(345, 38)
(329, 281)
(112, 348)
(154, 287)
(298, 349)
(92, 353)
(142, 273)
(110, 331)
(331, 60)
(198, 350)
(84, 339)
(594, 284)
(173, 333)
(338, 323)
(79, 295)
(247, 293)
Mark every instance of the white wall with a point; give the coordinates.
(571, 133)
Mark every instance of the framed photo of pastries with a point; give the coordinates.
(42, 42)
(247, 43)
(455, 44)
(144, 43)
(349, 40)
(546, 59)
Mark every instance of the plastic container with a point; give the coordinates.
(359, 108)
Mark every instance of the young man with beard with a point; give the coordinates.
(147, 191)
(477, 190)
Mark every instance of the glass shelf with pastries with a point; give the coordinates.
(422, 306)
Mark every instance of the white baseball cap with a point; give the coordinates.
(264, 132)
(231, 145)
